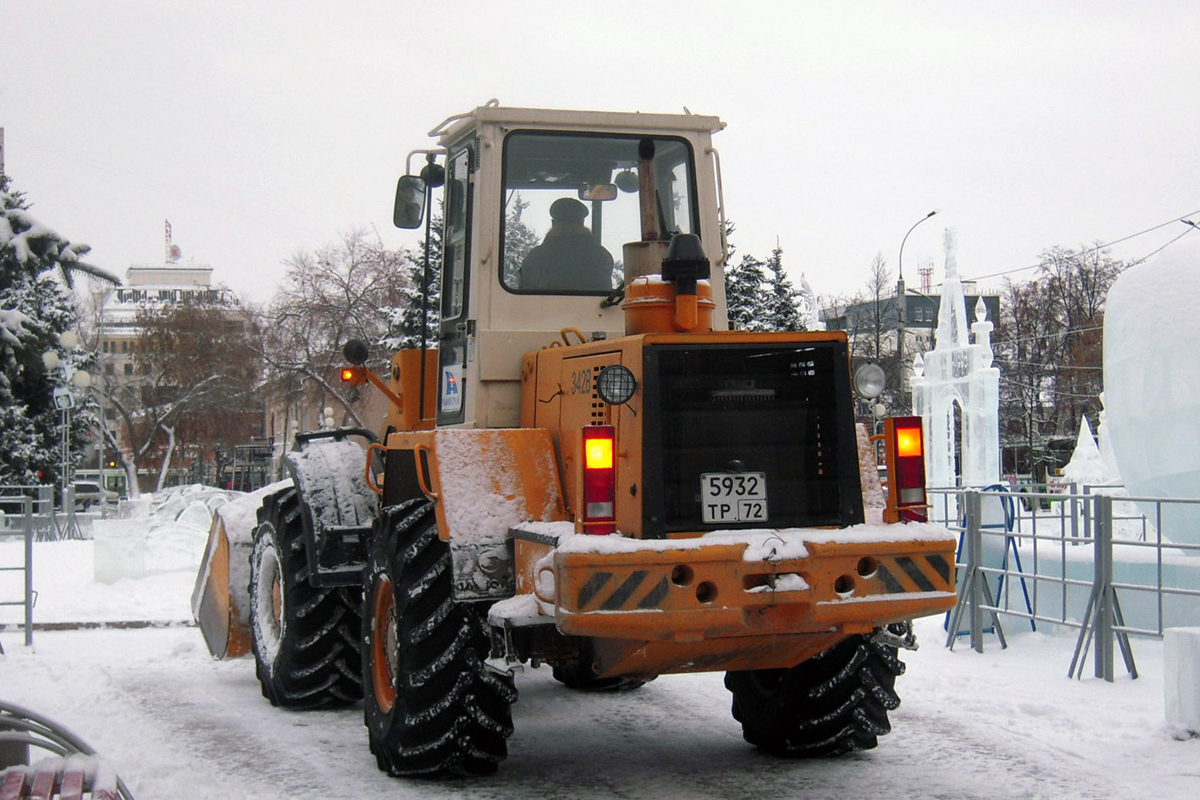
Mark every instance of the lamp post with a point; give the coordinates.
(64, 400)
(900, 258)
(900, 292)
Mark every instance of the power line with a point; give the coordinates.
(1048, 366)
(1001, 340)
(1042, 389)
(1100, 247)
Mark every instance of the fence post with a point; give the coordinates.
(973, 591)
(1102, 558)
(45, 512)
(974, 543)
(27, 513)
(1074, 503)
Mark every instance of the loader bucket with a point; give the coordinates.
(222, 620)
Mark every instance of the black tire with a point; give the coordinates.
(431, 704)
(832, 704)
(304, 637)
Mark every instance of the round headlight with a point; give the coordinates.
(616, 384)
(870, 380)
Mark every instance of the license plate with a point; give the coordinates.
(733, 497)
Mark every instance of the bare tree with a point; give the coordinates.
(871, 324)
(196, 368)
(348, 290)
(1049, 347)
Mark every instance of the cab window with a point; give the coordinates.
(572, 201)
(454, 279)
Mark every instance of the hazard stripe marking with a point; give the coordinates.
(623, 592)
(939, 564)
(656, 596)
(592, 587)
(913, 571)
(892, 585)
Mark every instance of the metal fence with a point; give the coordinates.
(26, 533)
(1080, 559)
(50, 523)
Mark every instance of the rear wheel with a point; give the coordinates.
(305, 638)
(831, 704)
(576, 676)
(431, 704)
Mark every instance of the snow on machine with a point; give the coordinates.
(588, 470)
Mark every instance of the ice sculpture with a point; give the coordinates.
(1152, 382)
(1087, 466)
(956, 392)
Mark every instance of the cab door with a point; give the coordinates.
(454, 327)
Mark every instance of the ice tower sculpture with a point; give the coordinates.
(956, 392)
(1152, 383)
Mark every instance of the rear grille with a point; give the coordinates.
(783, 410)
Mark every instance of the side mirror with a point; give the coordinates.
(356, 351)
(410, 203)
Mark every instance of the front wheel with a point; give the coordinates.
(431, 704)
(305, 637)
(834, 703)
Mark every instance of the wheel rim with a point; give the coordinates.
(383, 644)
(270, 603)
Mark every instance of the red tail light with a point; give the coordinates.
(905, 456)
(599, 480)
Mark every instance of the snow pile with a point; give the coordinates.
(164, 532)
(138, 567)
(240, 515)
(135, 549)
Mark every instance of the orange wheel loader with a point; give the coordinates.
(583, 467)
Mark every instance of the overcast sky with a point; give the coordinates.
(261, 128)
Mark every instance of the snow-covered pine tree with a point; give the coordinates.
(35, 307)
(783, 313)
(745, 296)
(405, 321)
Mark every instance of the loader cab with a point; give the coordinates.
(546, 216)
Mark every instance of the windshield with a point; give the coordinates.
(572, 201)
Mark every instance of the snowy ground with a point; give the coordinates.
(175, 723)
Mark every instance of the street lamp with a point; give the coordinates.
(900, 258)
(64, 398)
(900, 304)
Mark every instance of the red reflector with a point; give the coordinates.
(599, 480)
